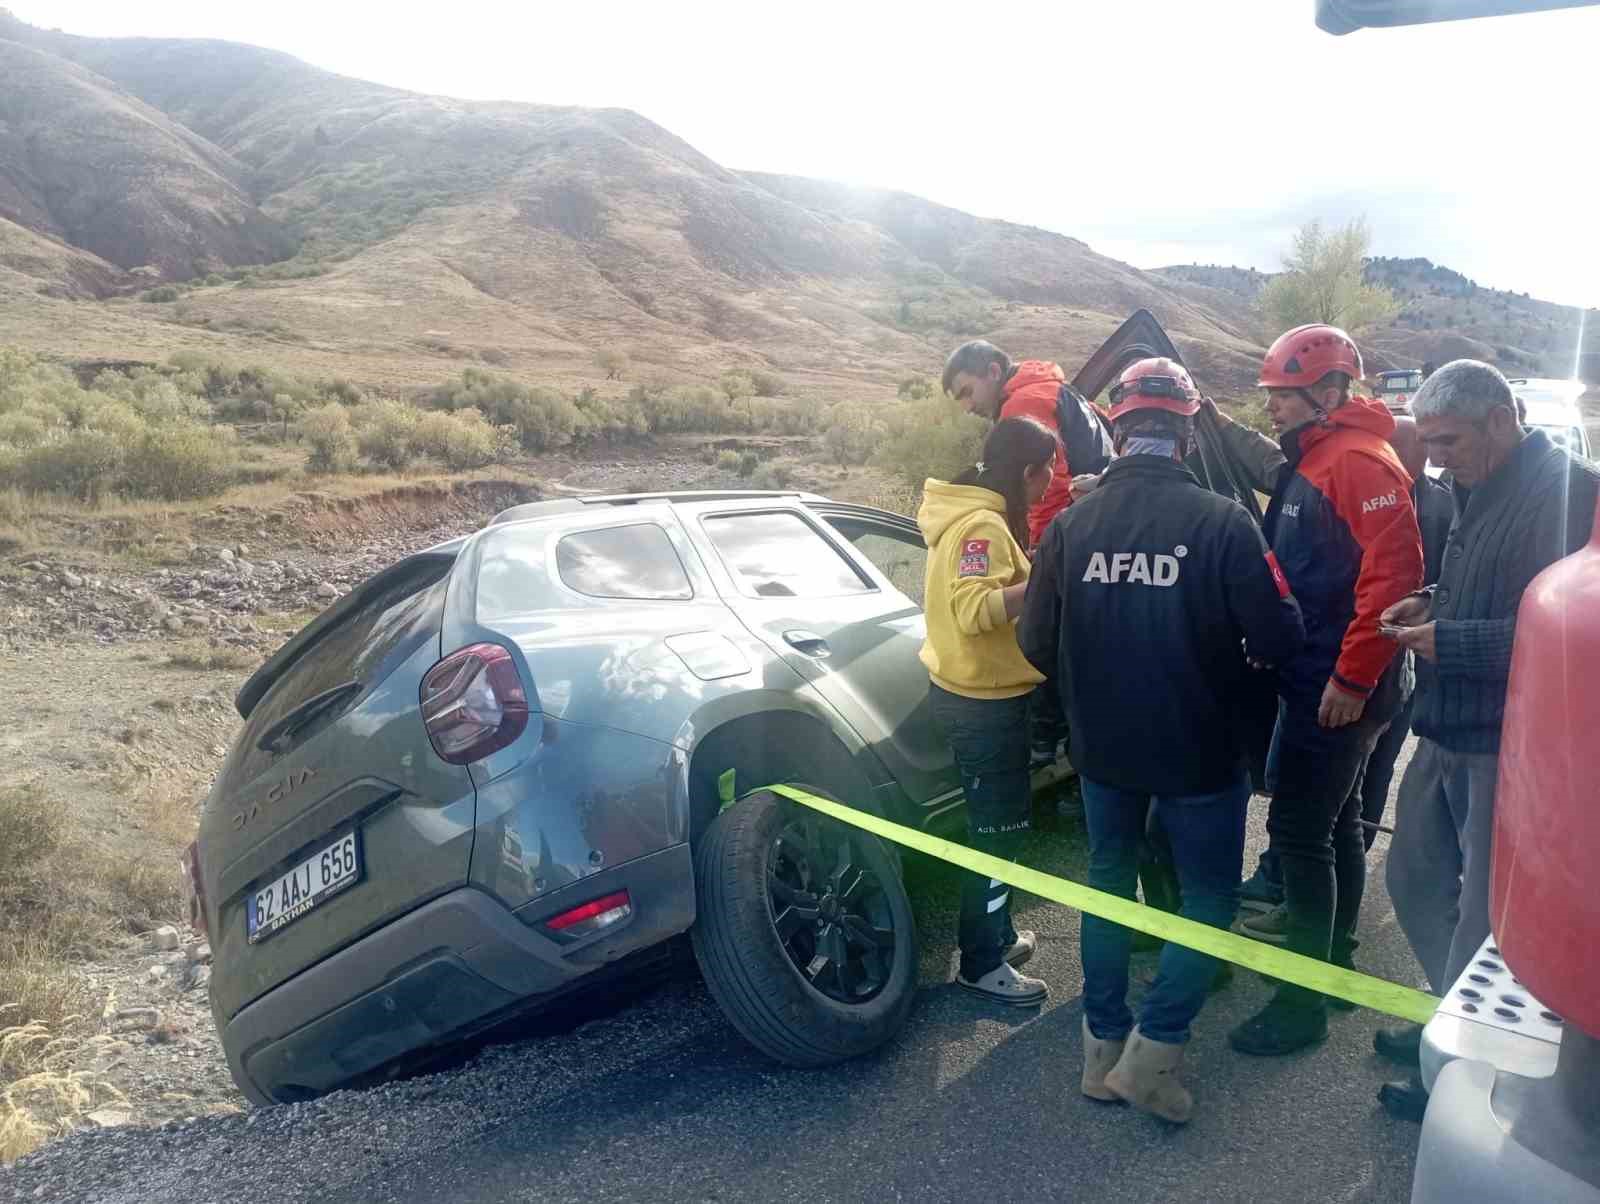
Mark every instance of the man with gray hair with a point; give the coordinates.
(1520, 503)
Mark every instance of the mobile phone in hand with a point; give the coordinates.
(1390, 630)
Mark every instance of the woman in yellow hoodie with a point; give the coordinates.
(976, 528)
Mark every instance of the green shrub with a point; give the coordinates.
(766, 384)
(792, 416)
(693, 408)
(543, 419)
(772, 476)
(736, 385)
(22, 430)
(179, 461)
(460, 440)
(916, 388)
(931, 438)
(84, 464)
(747, 463)
(610, 420)
(165, 292)
(728, 461)
(853, 436)
(332, 439)
(386, 432)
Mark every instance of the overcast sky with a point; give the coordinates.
(1471, 143)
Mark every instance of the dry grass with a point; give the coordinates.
(42, 1097)
(206, 657)
(48, 1010)
(38, 989)
(61, 900)
(149, 893)
(157, 533)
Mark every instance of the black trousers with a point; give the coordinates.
(989, 737)
(1315, 827)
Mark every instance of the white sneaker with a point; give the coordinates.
(1005, 985)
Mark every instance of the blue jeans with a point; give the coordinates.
(1207, 835)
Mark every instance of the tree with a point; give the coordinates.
(1322, 282)
(612, 362)
(737, 385)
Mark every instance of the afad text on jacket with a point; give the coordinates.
(1343, 526)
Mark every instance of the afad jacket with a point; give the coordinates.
(1343, 527)
(1032, 391)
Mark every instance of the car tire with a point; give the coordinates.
(743, 869)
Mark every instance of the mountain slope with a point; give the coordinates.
(85, 162)
(434, 232)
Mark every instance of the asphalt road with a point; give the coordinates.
(656, 1097)
(973, 1102)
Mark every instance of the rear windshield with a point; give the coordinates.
(364, 647)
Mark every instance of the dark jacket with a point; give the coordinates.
(1344, 527)
(1534, 509)
(1141, 598)
(1436, 513)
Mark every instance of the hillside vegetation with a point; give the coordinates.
(424, 230)
(172, 200)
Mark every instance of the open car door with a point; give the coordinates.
(1141, 337)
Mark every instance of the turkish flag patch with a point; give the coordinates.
(974, 558)
(1278, 578)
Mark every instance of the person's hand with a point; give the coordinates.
(1255, 662)
(1084, 483)
(1420, 640)
(1339, 706)
(1410, 611)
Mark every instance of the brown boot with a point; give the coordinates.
(1098, 1058)
(1147, 1077)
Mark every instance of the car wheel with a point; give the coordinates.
(804, 933)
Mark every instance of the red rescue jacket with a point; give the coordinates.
(1031, 392)
(1343, 526)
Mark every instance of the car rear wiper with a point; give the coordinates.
(280, 735)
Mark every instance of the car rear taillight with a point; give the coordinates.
(195, 888)
(592, 916)
(473, 703)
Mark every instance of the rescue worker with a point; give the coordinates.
(1263, 890)
(985, 381)
(1145, 597)
(976, 528)
(1343, 527)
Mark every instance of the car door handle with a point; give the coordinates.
(808, 642)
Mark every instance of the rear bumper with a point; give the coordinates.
(449, 968)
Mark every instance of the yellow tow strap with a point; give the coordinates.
(1376, 993)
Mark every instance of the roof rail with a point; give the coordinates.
(694, 495)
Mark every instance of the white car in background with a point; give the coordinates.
(1552, 407)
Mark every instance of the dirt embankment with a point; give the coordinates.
(117, 709)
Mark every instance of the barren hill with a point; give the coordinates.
(433, 232)
(1443, 316)
(87, 163)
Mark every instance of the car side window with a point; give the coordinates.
(778, 554)
(636, 561)
(898, 555)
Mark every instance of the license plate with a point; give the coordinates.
(279, 903)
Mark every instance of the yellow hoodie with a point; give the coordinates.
(971, 647)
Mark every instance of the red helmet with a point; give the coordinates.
(1303, 356)
(1155, 384)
